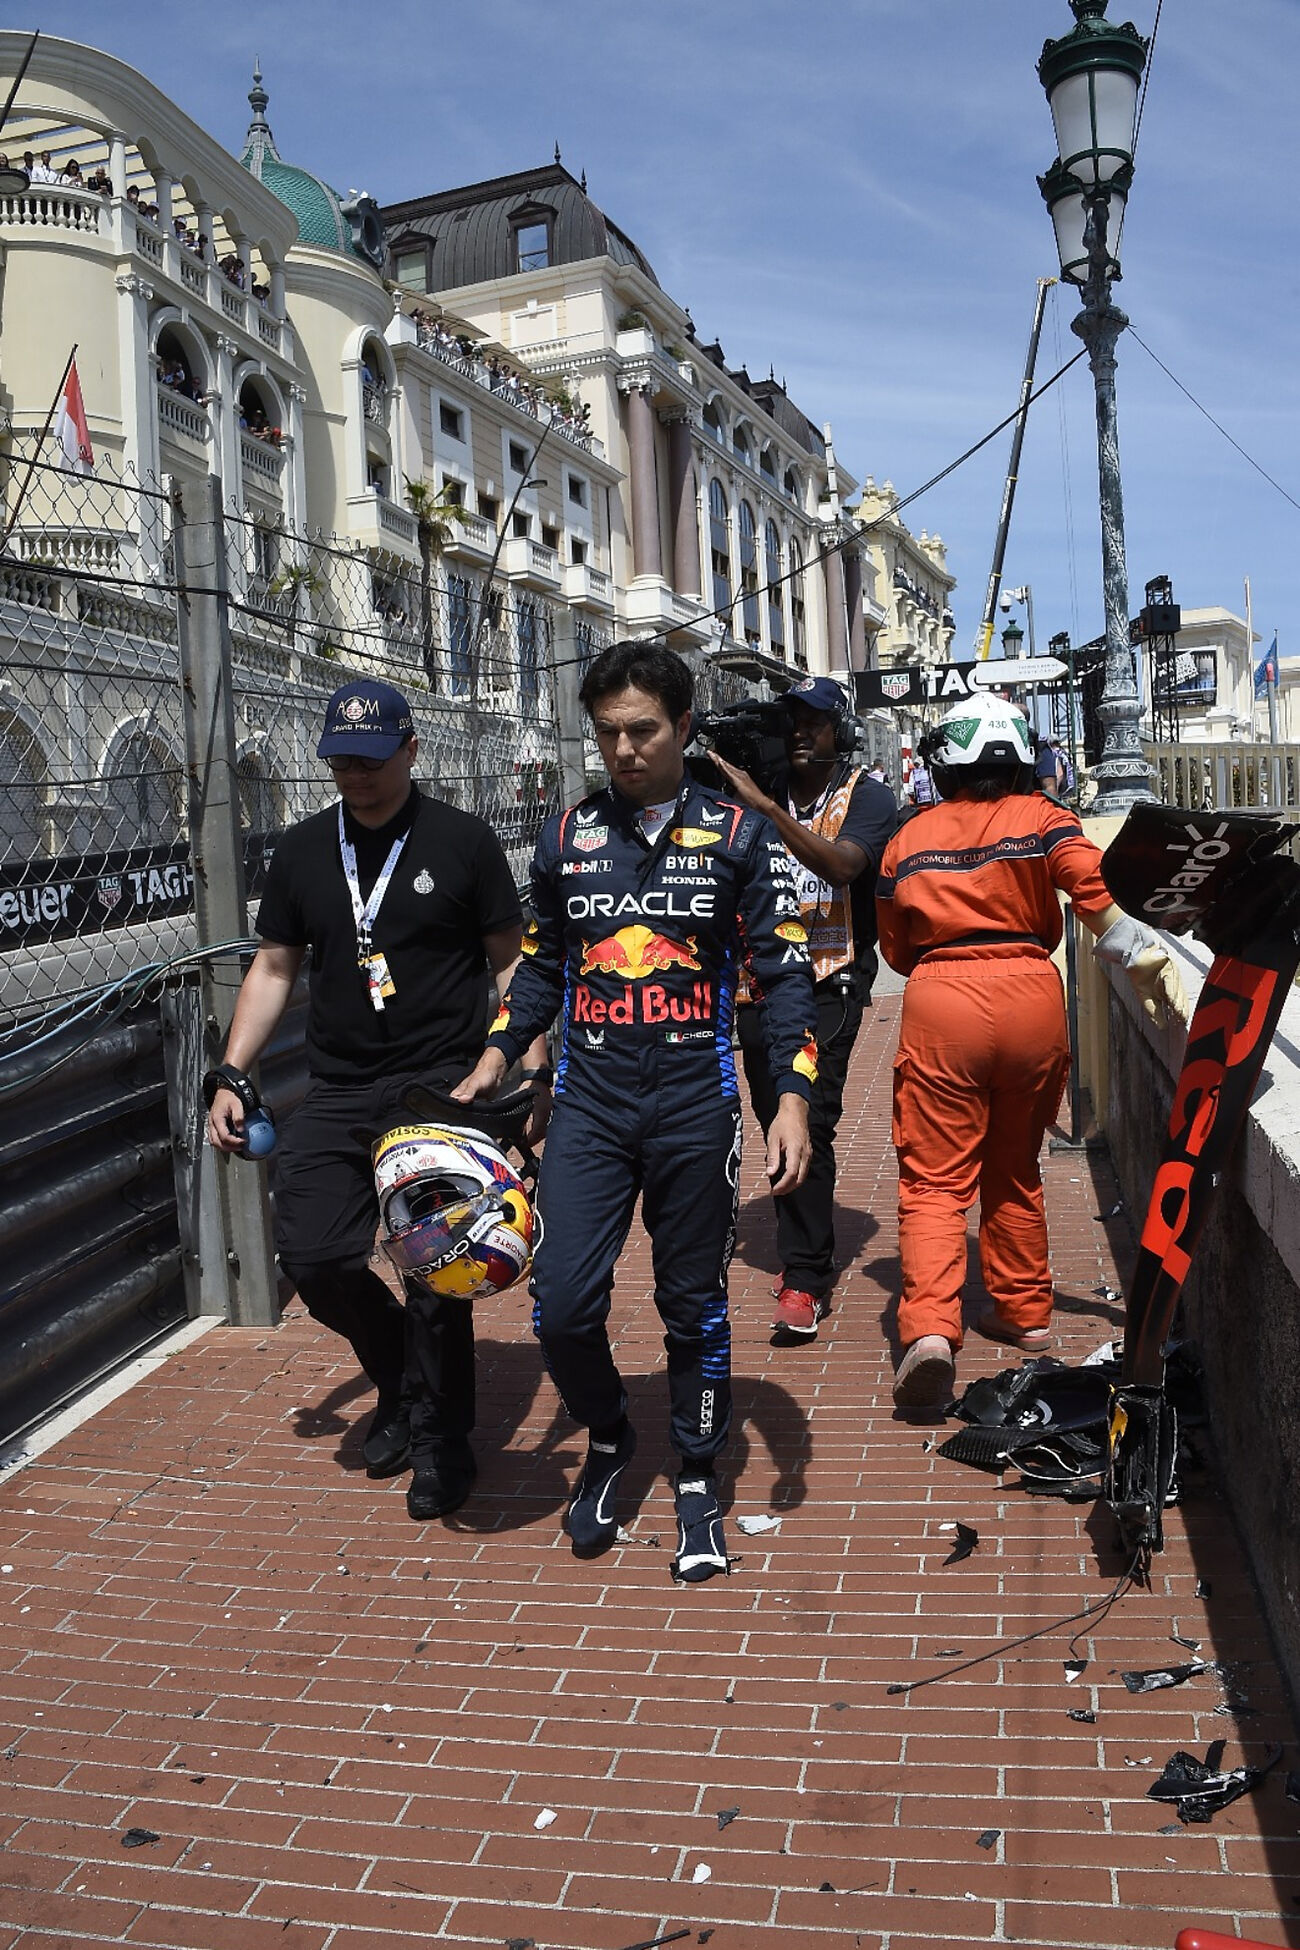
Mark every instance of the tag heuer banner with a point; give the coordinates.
(913, 684)
(88, 893)
(946, 683)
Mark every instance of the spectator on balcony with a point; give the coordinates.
(42, 171)
(203, 246)
(133, 195)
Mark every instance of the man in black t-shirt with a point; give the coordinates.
(835, 820)
(404, 904)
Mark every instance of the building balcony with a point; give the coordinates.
(263, 461)
(591, 588)
(473, 538)
(182, 420)
(525, 560)
(49, 206)
(651, 605)
(377, 522)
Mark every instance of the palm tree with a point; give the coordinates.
(436, 514)
(293, 587)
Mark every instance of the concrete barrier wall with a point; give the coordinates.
(1242, 1300)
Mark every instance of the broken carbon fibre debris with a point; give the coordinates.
(989, 1839)
(1083, 1714)
(1074, 1669)
(967, 1541)
(139, 1837)
(1159, 1677)
(1201, 1789)
(726, 1816)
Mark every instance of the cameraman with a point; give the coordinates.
(835, 822)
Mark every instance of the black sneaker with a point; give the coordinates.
(590, 1519)
(387, 1446)
(701, 1546)
(442, 1482)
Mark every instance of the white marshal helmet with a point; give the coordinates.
(981, 731)
(455, 1215)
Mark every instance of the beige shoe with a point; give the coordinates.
(1030, 1340)
(925, 1374)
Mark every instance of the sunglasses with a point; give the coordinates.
(344, 761)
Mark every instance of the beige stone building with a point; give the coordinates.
(718, 502)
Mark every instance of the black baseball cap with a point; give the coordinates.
(366, 719)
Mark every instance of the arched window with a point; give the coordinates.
(767, 464)
(741, 443)
(749, 574)
(798, 641)
(775, 589)
(790, 485)
(713, 423)
(259, 798)
(180, 369)
(720, 551)
(142, 795)
(21, 770)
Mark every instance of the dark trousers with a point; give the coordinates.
(684, 1160)
(326, 1217)
(805, 1219)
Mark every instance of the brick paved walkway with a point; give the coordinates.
(343, 1730)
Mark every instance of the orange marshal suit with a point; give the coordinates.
(968, 910)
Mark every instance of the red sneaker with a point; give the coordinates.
(798, 1313)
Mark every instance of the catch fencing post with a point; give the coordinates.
(570, 718)
(231, 1235)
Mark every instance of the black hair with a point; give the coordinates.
(982, 782)
(648, 667)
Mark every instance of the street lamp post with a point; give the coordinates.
(1091, 78)
(1013, 640)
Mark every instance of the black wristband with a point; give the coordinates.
(542, 1074)
(226, 1077)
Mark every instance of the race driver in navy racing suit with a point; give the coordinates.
(647, 898)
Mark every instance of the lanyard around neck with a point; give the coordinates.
(365, 915)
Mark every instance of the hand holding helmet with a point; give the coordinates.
(456, 1218)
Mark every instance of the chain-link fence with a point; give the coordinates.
(93, 834)
(95, 868)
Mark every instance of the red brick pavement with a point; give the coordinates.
(343, 1728)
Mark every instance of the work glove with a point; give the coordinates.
(1155, 978)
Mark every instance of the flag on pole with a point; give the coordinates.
(1266, 669)
(70, 428)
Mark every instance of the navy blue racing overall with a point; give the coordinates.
(638, 946)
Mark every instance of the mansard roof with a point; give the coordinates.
(472, 230)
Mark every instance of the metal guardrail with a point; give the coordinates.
(100, 1251)
(88, 1232)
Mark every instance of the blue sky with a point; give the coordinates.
(848, 194)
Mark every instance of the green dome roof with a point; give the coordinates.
(320, 211)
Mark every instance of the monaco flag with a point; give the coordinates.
(70, 429)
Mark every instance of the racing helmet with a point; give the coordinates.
(455, 1215)
(979, 733)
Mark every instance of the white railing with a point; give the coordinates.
(262, 457)
(512, 388)
(474, 531)
(179, 416)
(148, 241)
(268, 330)
(50, 206)
(193, 273)
(374, 403)
(232, 302)
(396, 521)
(88, 551)
(1228, 778)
